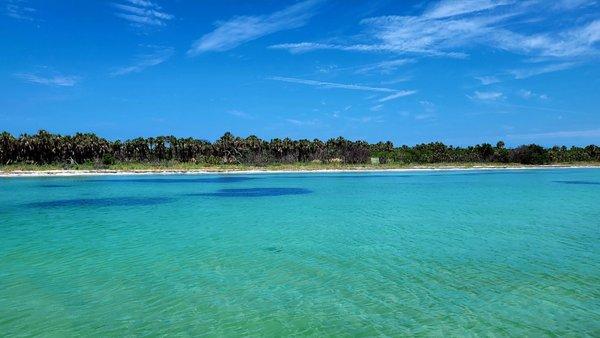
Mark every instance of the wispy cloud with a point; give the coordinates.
(433, 33)
(450, 8)
(524, 107)
(451, 28)
(376, 107)
(425, 116)
(382, 47)
(19, 9)
(573, 43)
(241, 29)
(572, 4)
(381, 67)
(528, 94)
(322, 84)
(429, 111)
(401, 93)
(486, 96)
(487, 80)
(396, 80)
(368, 119)
(54, 80)
(143, 61)
(384, 67)
(301, 123)
(239, 113)
(428, 106)
(589, 133)
(142, 13)
(524, 73)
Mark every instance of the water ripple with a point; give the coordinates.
(579, 182)
(101, 202)
(514, 255)
(255, 192)
(220, 179)
(53, 185)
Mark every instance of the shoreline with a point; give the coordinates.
(213, 171)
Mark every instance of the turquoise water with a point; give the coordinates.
(431, 253)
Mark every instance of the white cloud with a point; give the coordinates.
(367, 119)
(384, 67)
(528, 94)
(142, 13)
(302, 122)
(448, 28)
(376, 108)
(486, 96)
(396, 80)
(449, 8)
(572, 4)
(239, 113)
(19, 9)
(559, 134)
(143, 61)
(429, 107)
(241, 29)
(54, 80)
(575, 42)
(144, 3)
(401, 93)
(425, 116)
(425, 35)
(524, 73)
(524, 107)
(487, 80)
(310, 46)
(322, 84)
(326, 69)
(431, 34)
(429, 111)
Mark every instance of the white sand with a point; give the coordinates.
(66, 173)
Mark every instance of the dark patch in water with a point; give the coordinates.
(579, 182)
(273, 249)
(101, 202)
(255, 192)
(231, 179)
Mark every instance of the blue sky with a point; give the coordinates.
(461, 72)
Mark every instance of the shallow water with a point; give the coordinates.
(435, 253)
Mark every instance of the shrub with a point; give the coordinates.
(108, 159)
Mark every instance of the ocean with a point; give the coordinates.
(436, 253)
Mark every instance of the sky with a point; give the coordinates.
(460, 72)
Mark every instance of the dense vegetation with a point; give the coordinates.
(48, 148)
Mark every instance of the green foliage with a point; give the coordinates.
(108, 159)
(530, 154)
(46, 148)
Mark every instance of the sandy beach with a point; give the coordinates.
(110, 172)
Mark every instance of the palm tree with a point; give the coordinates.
(8, 147)
(45, 147)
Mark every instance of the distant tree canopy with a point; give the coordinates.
(48, 148)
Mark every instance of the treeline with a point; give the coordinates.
(48, 148)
